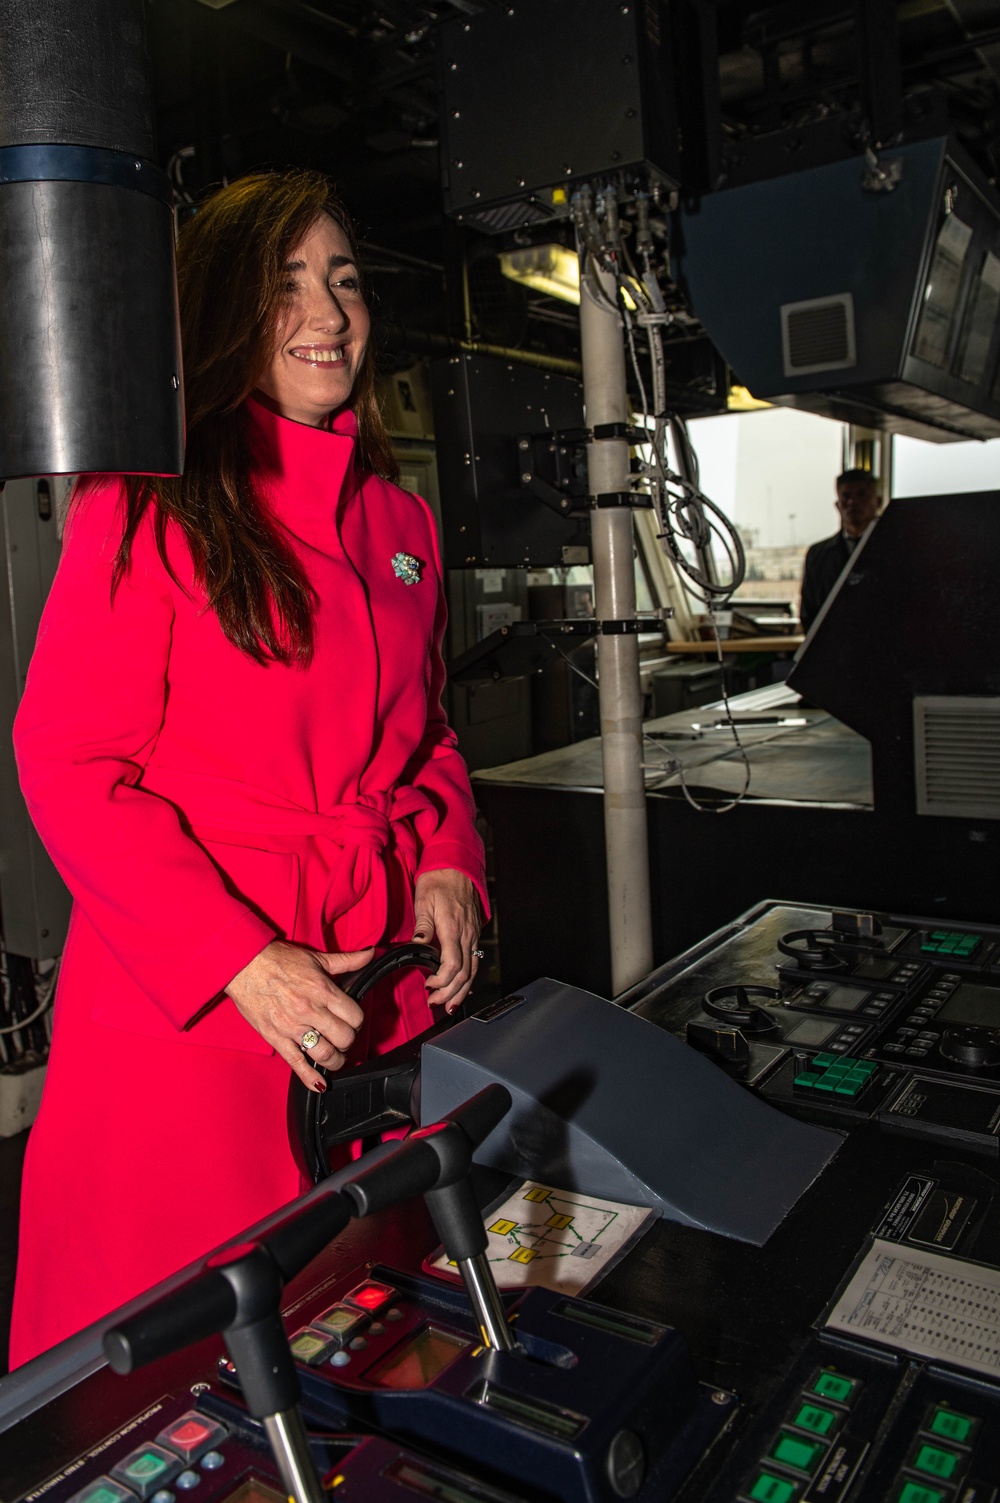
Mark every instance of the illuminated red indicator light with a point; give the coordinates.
(371, 1296)
(190, 1433)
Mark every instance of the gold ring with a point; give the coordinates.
(310, 1039)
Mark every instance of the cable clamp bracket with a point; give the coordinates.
(636, 500)
(628, 628)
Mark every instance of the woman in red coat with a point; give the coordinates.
(232, 744)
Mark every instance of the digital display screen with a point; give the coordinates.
(442, 1484)
(253, 1490)
(418, 1362)
(811, 1031)
(972, 1005)
(844, 999)
(875, 968)
(534, 1413)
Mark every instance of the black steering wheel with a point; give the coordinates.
(308, 1111)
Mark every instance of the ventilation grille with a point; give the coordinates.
(957, 754)
(818, 335)
(512, 216)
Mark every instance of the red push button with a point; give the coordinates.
(371, 1296)
(192, 1435)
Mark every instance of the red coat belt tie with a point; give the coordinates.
(342, 900)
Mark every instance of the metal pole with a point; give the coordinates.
(487, 1306)
(606, 400)
(290, 1448)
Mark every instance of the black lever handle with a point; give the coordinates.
(360, 1100)
(396, 958)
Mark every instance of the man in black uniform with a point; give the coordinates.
(858, 503)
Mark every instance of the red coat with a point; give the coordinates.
(198, 804)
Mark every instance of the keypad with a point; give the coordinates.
(843, 1078)
(950, 942)
(915, 1037)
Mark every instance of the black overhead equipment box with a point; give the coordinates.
(538, 93)
(489, 518)
(870, 304)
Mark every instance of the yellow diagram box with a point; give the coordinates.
(559, 1223)
(503, 1228)
(522, 1255)
(538, 1193)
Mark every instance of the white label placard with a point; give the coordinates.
(932, 1306)
(555, 1239)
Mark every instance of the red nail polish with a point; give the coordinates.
(320, 1087)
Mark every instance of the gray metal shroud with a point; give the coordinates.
(609, 1104)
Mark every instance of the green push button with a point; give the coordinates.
(848, 1087)
(807, 1082)
(813, 1417)
(918, 1492)
(798, 1454)
(146, 1466)
(952, 1426)
(824, 1061)
(830, 1385)
(826, 1083)
(943, 1464)
(766, 1488)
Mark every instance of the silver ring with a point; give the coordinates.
(310, 1039)
(479, 954)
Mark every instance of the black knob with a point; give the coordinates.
(975, 1048)
(734, 1004)
(812, 949)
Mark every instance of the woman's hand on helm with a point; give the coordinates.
(288, 993)
(446, 911)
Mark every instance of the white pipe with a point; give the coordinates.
(612, 542)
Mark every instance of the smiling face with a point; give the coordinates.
(322, 331)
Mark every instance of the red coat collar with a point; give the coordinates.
(304, 470)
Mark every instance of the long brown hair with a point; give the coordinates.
(230, 259)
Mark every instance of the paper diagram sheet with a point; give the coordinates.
(558, 1239)
(923, 1303)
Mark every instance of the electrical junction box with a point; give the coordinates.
(541, 94)
(489, 518)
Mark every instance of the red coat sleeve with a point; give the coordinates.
(450, 841)
(92, 709)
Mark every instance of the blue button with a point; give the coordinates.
(163, 1496)
(187, 1480)
(212, 1460)
(340, 1359)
